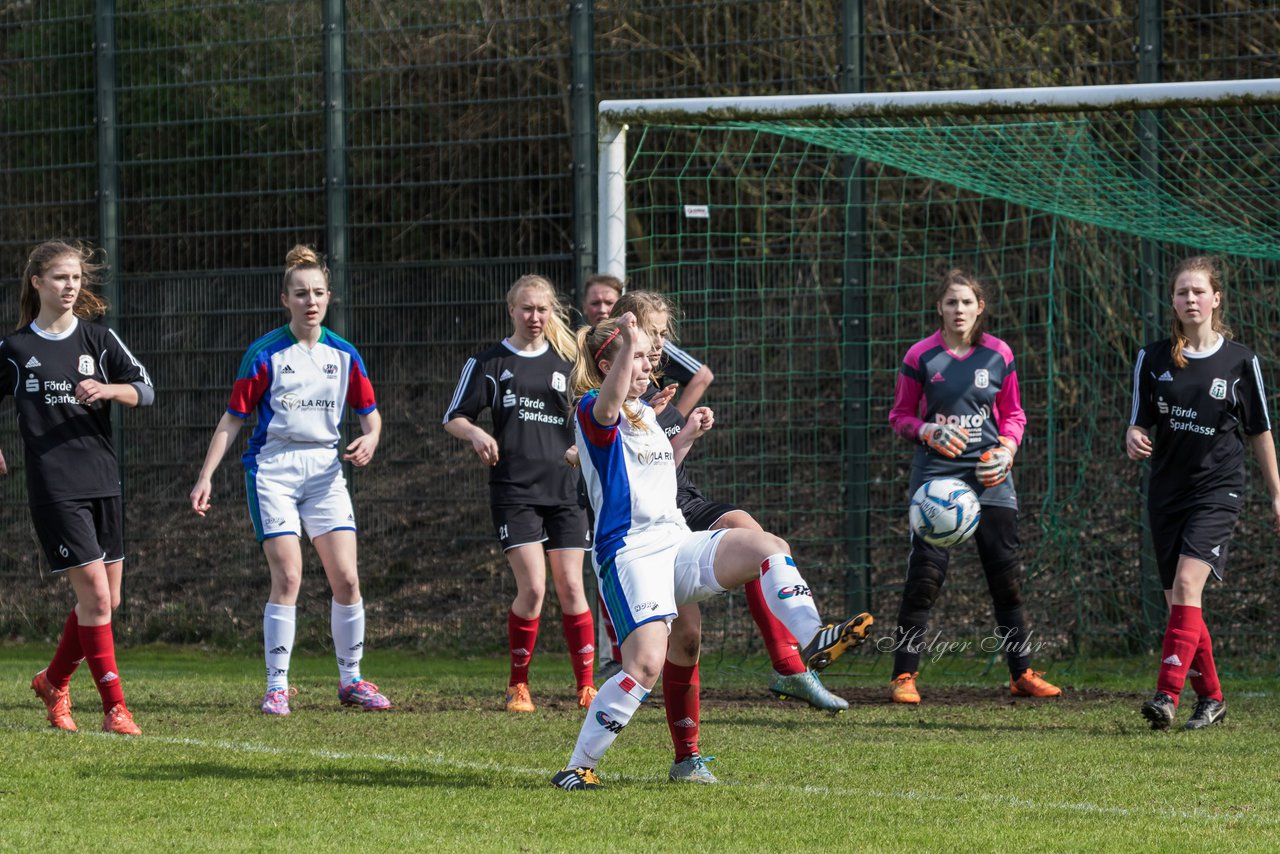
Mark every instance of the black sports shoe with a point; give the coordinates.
(574, 779)
(831, 641)
(608, 669)
(1206, 713)
(1160, 710)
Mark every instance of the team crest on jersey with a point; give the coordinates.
(331, 370)
(85, 366)
(981, 378)
(1218, 390)
(558, 381)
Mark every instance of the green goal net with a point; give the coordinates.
(804, 242)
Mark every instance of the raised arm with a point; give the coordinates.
(613, 391)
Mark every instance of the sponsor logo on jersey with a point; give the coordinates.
(609, 723)
(938, 378)
(645, 606)
(794, 590)
(531, 409)
(558, 381)
(1162, 406)
(655, 457)
(1166, 377)
(33, 362)
(33, 384)
(85, 365)
(509, 399)
(972, 422)
(331, 371)
(506, 375)
(981, 378)
(1218, 390)
(1189, 425)
(287, 369)
(293, 403)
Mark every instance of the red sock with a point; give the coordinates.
(615, 651)
(1180, 641)
(681, 695)
(778, 642)
(578, 629)
(521, 634)
(1204, 675)
(100, 653)
(68, 655)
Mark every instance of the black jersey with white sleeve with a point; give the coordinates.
(528, 398)
(68, 450)
(1198, 416)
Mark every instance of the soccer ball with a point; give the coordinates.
(944, 512)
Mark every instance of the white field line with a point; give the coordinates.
(440, 760)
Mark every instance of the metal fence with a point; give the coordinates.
(436, 151)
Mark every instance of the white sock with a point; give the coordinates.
(347, 624)
(789, 597)
(279, 623)
(610, 711)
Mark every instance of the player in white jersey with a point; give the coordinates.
(297, 379)
(64, 369)
(1201, 395)
(957, 399)
(647, 560)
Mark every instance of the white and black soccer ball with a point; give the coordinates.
(944, 512)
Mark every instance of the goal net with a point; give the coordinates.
(804, 239)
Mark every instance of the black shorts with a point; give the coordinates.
(78, 532)
(699, 513)
(1203, 533)
(560, 526)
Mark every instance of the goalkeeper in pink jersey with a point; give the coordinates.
(647, 560)
(957, 399)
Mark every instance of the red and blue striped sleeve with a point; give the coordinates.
(252, 382)
(359, 389)
(599, 435)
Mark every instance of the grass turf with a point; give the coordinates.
(968, 770)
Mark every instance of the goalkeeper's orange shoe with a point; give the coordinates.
(518, 699)
(57, 701)
(903, 689)
(1029, 684)
(586, 694)
(118, 720)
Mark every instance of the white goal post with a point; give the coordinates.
(614, 115)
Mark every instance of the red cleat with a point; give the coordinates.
(56, 700)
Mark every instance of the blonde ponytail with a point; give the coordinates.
(594, 344)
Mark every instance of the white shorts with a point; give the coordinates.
(296, 490)
(646, 580)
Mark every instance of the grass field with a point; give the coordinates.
(449, 770)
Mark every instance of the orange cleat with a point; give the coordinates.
(585, 695)
(1029, 684)
(518, 699)
(119, 721)
(56, 700)
(903, 689)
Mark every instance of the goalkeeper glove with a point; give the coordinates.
(950, 440)
(995, 463)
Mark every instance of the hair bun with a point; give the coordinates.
(300, 255)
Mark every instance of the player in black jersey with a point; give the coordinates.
(1201, 395)
(524, 383)
(957, 399)
(63, 369)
